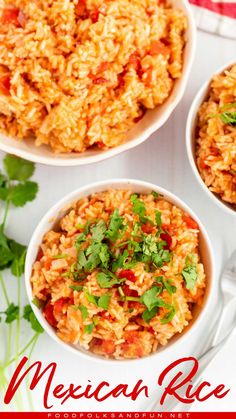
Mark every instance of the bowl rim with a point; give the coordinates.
(190, 140)
(138, 139)
(86, 190)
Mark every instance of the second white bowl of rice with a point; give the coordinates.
(52, 94)
(210, 142)
(137, 336)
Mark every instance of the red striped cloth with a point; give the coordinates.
(217, 16)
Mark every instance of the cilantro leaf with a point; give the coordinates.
(116, 224)
(19, 252)
(89, 328)
(148, 315)
(150, 299)
(138, 206)
(120, 261)
(190, 276)
(169, 316)
(98, 231)
(12, 313)
(84, 312)
(107, 279)
(104, 301)
(158, 218)
(18, 168)
(155, 194)
(149, 245)
(92, 298)
(23, 193)
(29, 315)
(77, 288)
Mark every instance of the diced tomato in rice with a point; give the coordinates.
(48, 314)
(191, 223)
(5, 85)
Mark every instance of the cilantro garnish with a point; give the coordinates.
(153, 302)
(189, 273)
(228, 117)
(89, 328)
(16, 189)
(77, 288)
(116, 224)
(102, 302)
(158, 218)
(98, 231)
(169, 316)
(148, 315)
(12, 313)
(107, 279)
(30, 317)
(84, 311)
(138, 206)
(155, 194)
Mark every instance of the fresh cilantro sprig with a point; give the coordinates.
(189, 273)
(16, 189)
(228, 117)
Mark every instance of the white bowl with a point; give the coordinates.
(191, 140)
(152, 121)
(58, 211)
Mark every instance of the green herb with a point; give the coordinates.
(12, 313)
(15, 189)
(84, 311)
(77, 288)
(190, 276)
(189, 273)
(169, 316)
(104, 301)
(98, 231)
(38, 303)
(116, 224)
(29, 315)
(60, 256)
(89, 328)
(226, 116)
(155, 194)
(79, 239)
(121, 292)
(137, 299)
(17, 168)
(171, 289)
(148, 315)
(120, 261)
(107, 279)
(158, 218)
(138, 206)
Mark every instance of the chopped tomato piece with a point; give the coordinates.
(100, 80)
(5, 85)
(128, 292)
(147, 75)
(81, 9)
(105, 346)
(39, 255)
(191, 223)
(48, 314)
(60, 304)
(13, 15)
(103, 66)
(120, 79)
(48, 263)
(94, 16)
(158, 47)
(100, 144)
(128, 274)
(203, 165)
(132, 336)
(134, 61)
(167, 238)
(106, 315)
(147, 228)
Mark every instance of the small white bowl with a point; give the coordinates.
(152, 121)
(61, 208)
(191, 140)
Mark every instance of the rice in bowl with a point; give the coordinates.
(81, 73)
(216, 137)
(121, 274)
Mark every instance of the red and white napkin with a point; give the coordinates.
(217, 16)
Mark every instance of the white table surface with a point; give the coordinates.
(162, 160)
